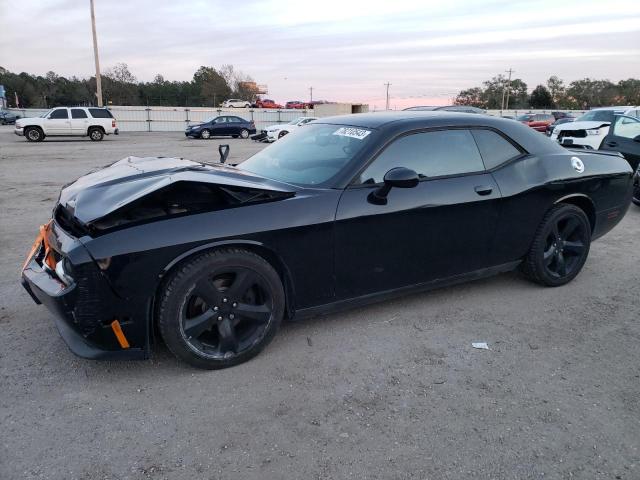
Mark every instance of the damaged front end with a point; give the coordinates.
(136, 190)
(98, 309)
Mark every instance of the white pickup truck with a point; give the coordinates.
(93, 122)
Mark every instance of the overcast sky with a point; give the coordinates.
(346, 50)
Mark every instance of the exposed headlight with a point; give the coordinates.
(593, 131)
(62, 270)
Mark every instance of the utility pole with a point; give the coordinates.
(387, 104)
(510, 71)
(310, 94)
(95, 54)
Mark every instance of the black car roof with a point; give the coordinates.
(528, 138)
(412, 119)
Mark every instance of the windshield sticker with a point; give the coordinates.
(352, 132)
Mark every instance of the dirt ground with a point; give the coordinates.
(389, 391)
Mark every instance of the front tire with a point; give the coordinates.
(221, 308)
(34, 134)
(205, 134)
(282, 133)
(560, 247)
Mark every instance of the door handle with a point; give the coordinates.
(612, 144)
(483, 190)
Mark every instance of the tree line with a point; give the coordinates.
(577, 95)
(208, 88)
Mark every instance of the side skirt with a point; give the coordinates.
(389, 294)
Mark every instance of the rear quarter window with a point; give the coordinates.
(494, 148)
(100, 113)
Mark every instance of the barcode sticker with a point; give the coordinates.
(352, 132)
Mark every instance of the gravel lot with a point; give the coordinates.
(393, 390)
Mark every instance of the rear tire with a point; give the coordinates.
(96, 134)
(221, 308)
(244, 133)
(34, 134)
(560, 247)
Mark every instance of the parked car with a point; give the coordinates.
(624, 137)
(275, 132)
(559, 121)
(296, 104)
(93, 122)
(538, 121)
(7, 117)
(589, 130)
(267, 103)
(236, 103)
(222, 126)
(446, 108)
(353, 210)
(560, 115)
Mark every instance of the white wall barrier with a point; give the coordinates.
(176, 119)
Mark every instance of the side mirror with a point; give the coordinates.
(636, 138)
(399, 177)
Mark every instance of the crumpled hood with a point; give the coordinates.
(103, 191)
(588, 125)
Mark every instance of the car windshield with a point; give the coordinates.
(524, 118)
(309, 156)
(293, 122)
(210, 119)
(597, 116)
(46, 114)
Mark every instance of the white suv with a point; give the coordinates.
(589, 130)
(235, 103)
(93, 122)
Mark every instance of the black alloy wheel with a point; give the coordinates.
(560, 248)
(221, 309)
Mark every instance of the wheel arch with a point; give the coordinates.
(255, 247)
(92, 127)
(584, 203)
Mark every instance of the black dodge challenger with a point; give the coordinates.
(345, 211)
